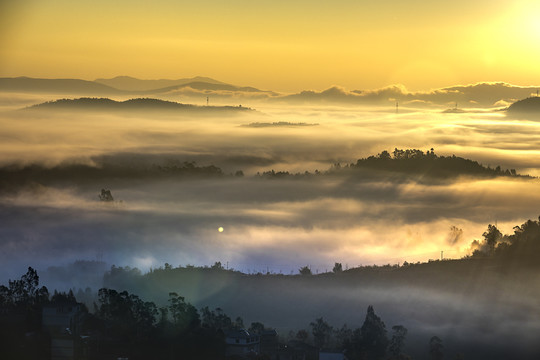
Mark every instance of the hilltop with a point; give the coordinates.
(406, 165)
(128, 83)
(140, 104)
(55, 86)
(530, 106)
(125, 85)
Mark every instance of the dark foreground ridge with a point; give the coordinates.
(140, 316)
(139, 104)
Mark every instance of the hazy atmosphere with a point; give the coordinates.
(279, 162)
(275, 223)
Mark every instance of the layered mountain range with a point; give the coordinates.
(478, 95)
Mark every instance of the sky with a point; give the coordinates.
(278, 45)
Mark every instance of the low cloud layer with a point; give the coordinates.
(277, 223)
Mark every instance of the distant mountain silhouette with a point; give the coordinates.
(468, 96)
(60, 86)
(129, 83)
(529, 106)
(475, 95)
(201, 85)
(140, 104)
(120, 85)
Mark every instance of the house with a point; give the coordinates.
(240, 343)
(62, 322)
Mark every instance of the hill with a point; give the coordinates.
(139, 104)
(129, 83)
(58, 86)
(528, 106)
(428, 164)
(406, 165)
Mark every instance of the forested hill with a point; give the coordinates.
(528, 106)
(413, 161)
(408, 164)
(402, 165)
(139, 104)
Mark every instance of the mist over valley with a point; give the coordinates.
(145, 194)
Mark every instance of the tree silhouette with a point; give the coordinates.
(397, 342)
(256, 327)
(491, 236)
(26, 291)
(106, 195)
(338, 268)
(321, 332)
(435, 348)
(373, 335)
(305, 270)
(184, 315)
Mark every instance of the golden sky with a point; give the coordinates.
(278, 45)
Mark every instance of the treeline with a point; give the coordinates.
(409, 162)
(124, 325)
(15, 175)
(520, 248)
(139, 104)
(120, 325)
(428, 163)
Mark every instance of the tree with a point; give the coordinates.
(385, 155)
(343, 335)
(321, 332)
(256, 327)
(238, 323)
(26, 291)
(373, 335)
(129, 318)
(184, 315)
(338, 268)
(304, 270)
(106, 195)
(216, 319)
(491, 236)
(435, 348)
(63, 298)
(217, 266)
(397, 341)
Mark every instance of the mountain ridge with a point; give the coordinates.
(484, 94)
(129, 83)
(137, 104)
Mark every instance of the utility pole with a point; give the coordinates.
(442, 254)
(207, 101)
(397, 107)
